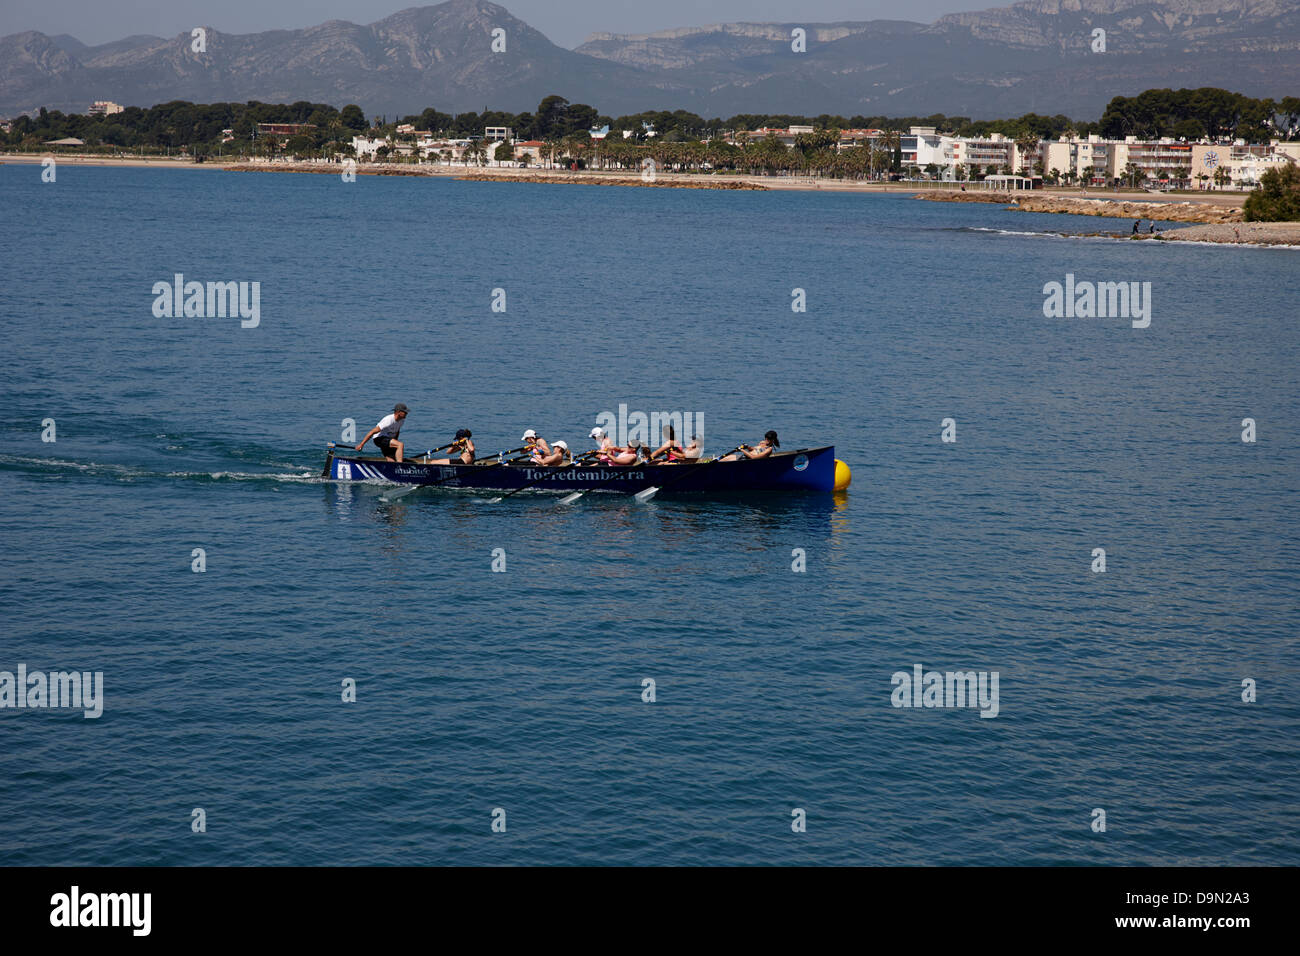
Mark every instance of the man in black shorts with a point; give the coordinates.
(386, 432)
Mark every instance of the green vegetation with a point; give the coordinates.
(1276, 198)
(677, 140)
(1192, 114)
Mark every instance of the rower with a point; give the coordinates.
(464, 444)
(386, 432)
(614, 455)
(605, 443)
(671, 448)
(537, 447)
(559, 455)
(764, 450)
(693, 449)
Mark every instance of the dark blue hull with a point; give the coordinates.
(808, 469)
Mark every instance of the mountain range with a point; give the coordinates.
(1036, 56)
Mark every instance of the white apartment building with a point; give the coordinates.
(104, 108)
(1242, 164)
(1073, 158)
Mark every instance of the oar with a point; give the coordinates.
(403, 492)
(432, 450)
(570, 499)
(650, 492)
(531, 484)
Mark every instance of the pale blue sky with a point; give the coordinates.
(566, 22)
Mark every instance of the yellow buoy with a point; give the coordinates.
(842, 475)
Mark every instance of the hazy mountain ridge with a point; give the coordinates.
(1031, 56)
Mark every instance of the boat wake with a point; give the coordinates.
(58, 468)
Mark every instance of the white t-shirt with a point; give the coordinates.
(389, 426)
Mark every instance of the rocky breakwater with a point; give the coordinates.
(1165, 211)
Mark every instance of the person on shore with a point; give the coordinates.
(764, 450)
(671, 448)
(1136, 226)
(537, 447)
(386, 432)
(1153, 227)
(464, 445)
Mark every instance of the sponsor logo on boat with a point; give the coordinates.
(651, 428)
(953, 689)
(407, 470)
(800, 462)
(583, 474)
(37, 690)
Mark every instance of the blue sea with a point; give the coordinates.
(518, 695)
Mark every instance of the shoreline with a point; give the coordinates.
(1214, 217)
(1210, 209)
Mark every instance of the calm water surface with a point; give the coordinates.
(522, 690)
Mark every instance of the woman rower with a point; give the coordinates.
(671, 447)
(603, 441)
(614, 455)
(764, 450)
(692, 451)
(537, 447)
(464, 444)
(559, 455)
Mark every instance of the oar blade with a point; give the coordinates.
(493, 501)
(647, 494)
(570, 499)
(400, 493)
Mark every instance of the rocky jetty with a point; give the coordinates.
(1164, 211)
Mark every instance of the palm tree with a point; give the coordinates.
(1026, 146)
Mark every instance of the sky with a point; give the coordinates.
(565, 22)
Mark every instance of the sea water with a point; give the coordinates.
(332, 678)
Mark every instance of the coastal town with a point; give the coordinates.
(1209, 157)
(1208, 140)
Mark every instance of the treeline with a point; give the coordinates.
(1194, 114)
(1189, 114)
(179, 124)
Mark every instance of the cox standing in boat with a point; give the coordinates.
(386, 432)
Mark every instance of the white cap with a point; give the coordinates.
(560, 444)
(529, 434)
(598, 432)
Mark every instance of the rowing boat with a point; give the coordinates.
(807, 469)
